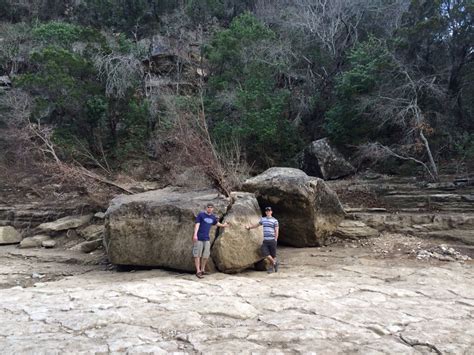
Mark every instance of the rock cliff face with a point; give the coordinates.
(307, 209)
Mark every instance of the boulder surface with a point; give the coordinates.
(9, 235)
(307, 209)
(155, 228)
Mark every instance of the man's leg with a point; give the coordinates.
(206, 252)
(197, 263)
(197, 253)
(203, 265)
(266, 254)
(273, 254)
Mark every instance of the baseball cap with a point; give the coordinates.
(210, 205)
(268, 208)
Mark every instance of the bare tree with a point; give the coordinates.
(398, 103)
(120, 73)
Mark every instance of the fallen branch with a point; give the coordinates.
(99, 178)
(417, 343)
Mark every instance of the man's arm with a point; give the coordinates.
(277, 230)
(195, 235)
(223, 225)
(252, 226)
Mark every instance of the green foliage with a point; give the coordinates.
(69, 95)
(139, 17)
(345, 122)
(134, 130)
(61, 33)
(256, 116)
(225, 10)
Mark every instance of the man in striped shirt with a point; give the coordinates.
(270, 238)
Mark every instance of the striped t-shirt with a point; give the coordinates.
(269, 224)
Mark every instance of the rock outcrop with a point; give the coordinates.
(321, 160)
(307, 209)
(155, 228)
(349, 229)
(236, 248)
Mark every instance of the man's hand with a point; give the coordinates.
(247, 228)
(195, 238)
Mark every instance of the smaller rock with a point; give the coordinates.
(92, 232)
(100, 215)
(69, 222)
(48, 244)
(89, 246)
(33, 242)
(355, 230)
(9, 235)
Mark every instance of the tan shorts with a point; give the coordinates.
(202, 249)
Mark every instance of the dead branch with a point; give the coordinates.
(414, 343)
(377, 152)
(120, 73)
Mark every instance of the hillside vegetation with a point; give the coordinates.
(150, 87)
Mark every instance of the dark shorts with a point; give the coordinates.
(269, 247)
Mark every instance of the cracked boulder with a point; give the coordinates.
(321, 160)
(155, 228)
(236, 248)
(307, 209)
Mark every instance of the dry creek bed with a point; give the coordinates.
(387, 295)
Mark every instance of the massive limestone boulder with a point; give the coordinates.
(321, 160)
(9, 235)
(155, 228)
(236, 248)
(307, 209)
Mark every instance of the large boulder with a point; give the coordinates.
(236, 248)
(155, 228)
(321, 160)
(307, 209)
(9, 235)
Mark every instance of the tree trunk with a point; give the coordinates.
(434, 168)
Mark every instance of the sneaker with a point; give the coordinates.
(276, 266)
(199, 275)
(270, 270)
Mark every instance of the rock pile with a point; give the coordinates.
(155, 228)
(442, 253)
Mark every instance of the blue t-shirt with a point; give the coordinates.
(206, 221)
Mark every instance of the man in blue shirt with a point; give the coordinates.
(201, 241)
(270, 238)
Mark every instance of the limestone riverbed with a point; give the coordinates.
(343, 299)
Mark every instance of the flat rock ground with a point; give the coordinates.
(365, 298)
